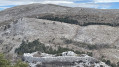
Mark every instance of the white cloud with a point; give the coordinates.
(56, 2)
(105, 1)
(3, 7)
(22, 2)
(86, 5)
(90, 4)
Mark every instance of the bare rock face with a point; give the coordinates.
(69, 60)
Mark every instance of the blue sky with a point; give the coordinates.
(99, 4)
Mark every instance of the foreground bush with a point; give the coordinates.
(6, 63)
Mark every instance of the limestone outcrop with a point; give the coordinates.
(67, 61)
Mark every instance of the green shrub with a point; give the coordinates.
(20, 64)
(29, 47)
(61, 19)
(69, 20)
(6, 63)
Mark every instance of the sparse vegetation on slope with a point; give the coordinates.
(29, 47)
(85, 45)
(67, 19)
(94, 23)
(61, 19)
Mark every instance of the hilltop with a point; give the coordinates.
(83, 16)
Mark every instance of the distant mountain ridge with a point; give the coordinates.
(84, 16)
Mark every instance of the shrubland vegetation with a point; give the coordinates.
(72, 21)
(6, 63)
(29, 47)
(94, 23)
(85, 45)
(61, 19)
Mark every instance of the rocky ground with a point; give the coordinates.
(68, 59)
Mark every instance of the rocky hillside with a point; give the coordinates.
(84, 16)
(93, 30)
